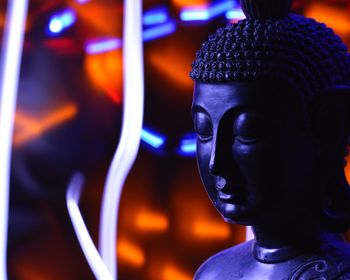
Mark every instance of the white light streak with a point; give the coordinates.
(10, 68)
(130, 135)
(249, 234)
(87, 245)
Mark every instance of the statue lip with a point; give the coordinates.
(232, 198)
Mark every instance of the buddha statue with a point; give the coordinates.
(271, 111)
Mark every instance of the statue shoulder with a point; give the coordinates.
(333, 264)
(220, 265)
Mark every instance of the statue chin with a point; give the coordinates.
(235, 214)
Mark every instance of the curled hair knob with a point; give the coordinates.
(266, 9)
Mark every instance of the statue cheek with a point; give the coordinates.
(256, 164)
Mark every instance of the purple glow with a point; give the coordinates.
(103, 45)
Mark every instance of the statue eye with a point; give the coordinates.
(203, 126)
(248, 128)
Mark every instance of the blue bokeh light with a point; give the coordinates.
(151, 138)
(61, 21)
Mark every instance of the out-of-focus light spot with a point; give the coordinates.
(347, 169)
(155, 16)
(159, 31)
(103, 45)
(82, 1)
(177, 74)
(235, 14)
(194, 14)
(199, 14)
(104, 70)
(130, 253)
(151, 222)
(28, 128)
(326, 14)
(210, 230)
(190, 3)
(61, 21)
(171, 272)
(63, 46)
(188, 145)
(152, 139)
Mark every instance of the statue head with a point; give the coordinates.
(271, 111)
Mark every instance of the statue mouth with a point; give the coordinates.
(232, 198)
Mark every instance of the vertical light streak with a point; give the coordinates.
(129, 143)
(11, 58)
(87, 245)
(249, 234)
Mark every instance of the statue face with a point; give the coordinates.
(254, 154)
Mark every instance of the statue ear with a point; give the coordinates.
(334, 131)
(333, 122)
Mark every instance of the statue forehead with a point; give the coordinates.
(235, 94)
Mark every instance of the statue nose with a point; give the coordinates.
(216, 158)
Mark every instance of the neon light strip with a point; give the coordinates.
(155, 16)
(105, 45)
(188, 145)
(87, 245)
(188, 14)
(129, 143)
(156, 141)
(159, 31)
(235, 14)
(11, 58)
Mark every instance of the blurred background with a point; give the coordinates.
(68, 119)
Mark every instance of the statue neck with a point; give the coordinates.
(279, 243)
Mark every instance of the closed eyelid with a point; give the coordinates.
(198, 109)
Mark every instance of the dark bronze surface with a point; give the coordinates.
(271, 155)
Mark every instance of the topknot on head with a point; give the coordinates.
(266, 9)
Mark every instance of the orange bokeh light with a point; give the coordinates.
(191, 3)
(210, 230)
(28, 128)
(327, 14)
(105, 73)
(171, 272)
(151, 222)
(130, 253)
(101, 18)
(347, 169)
(180, 66)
